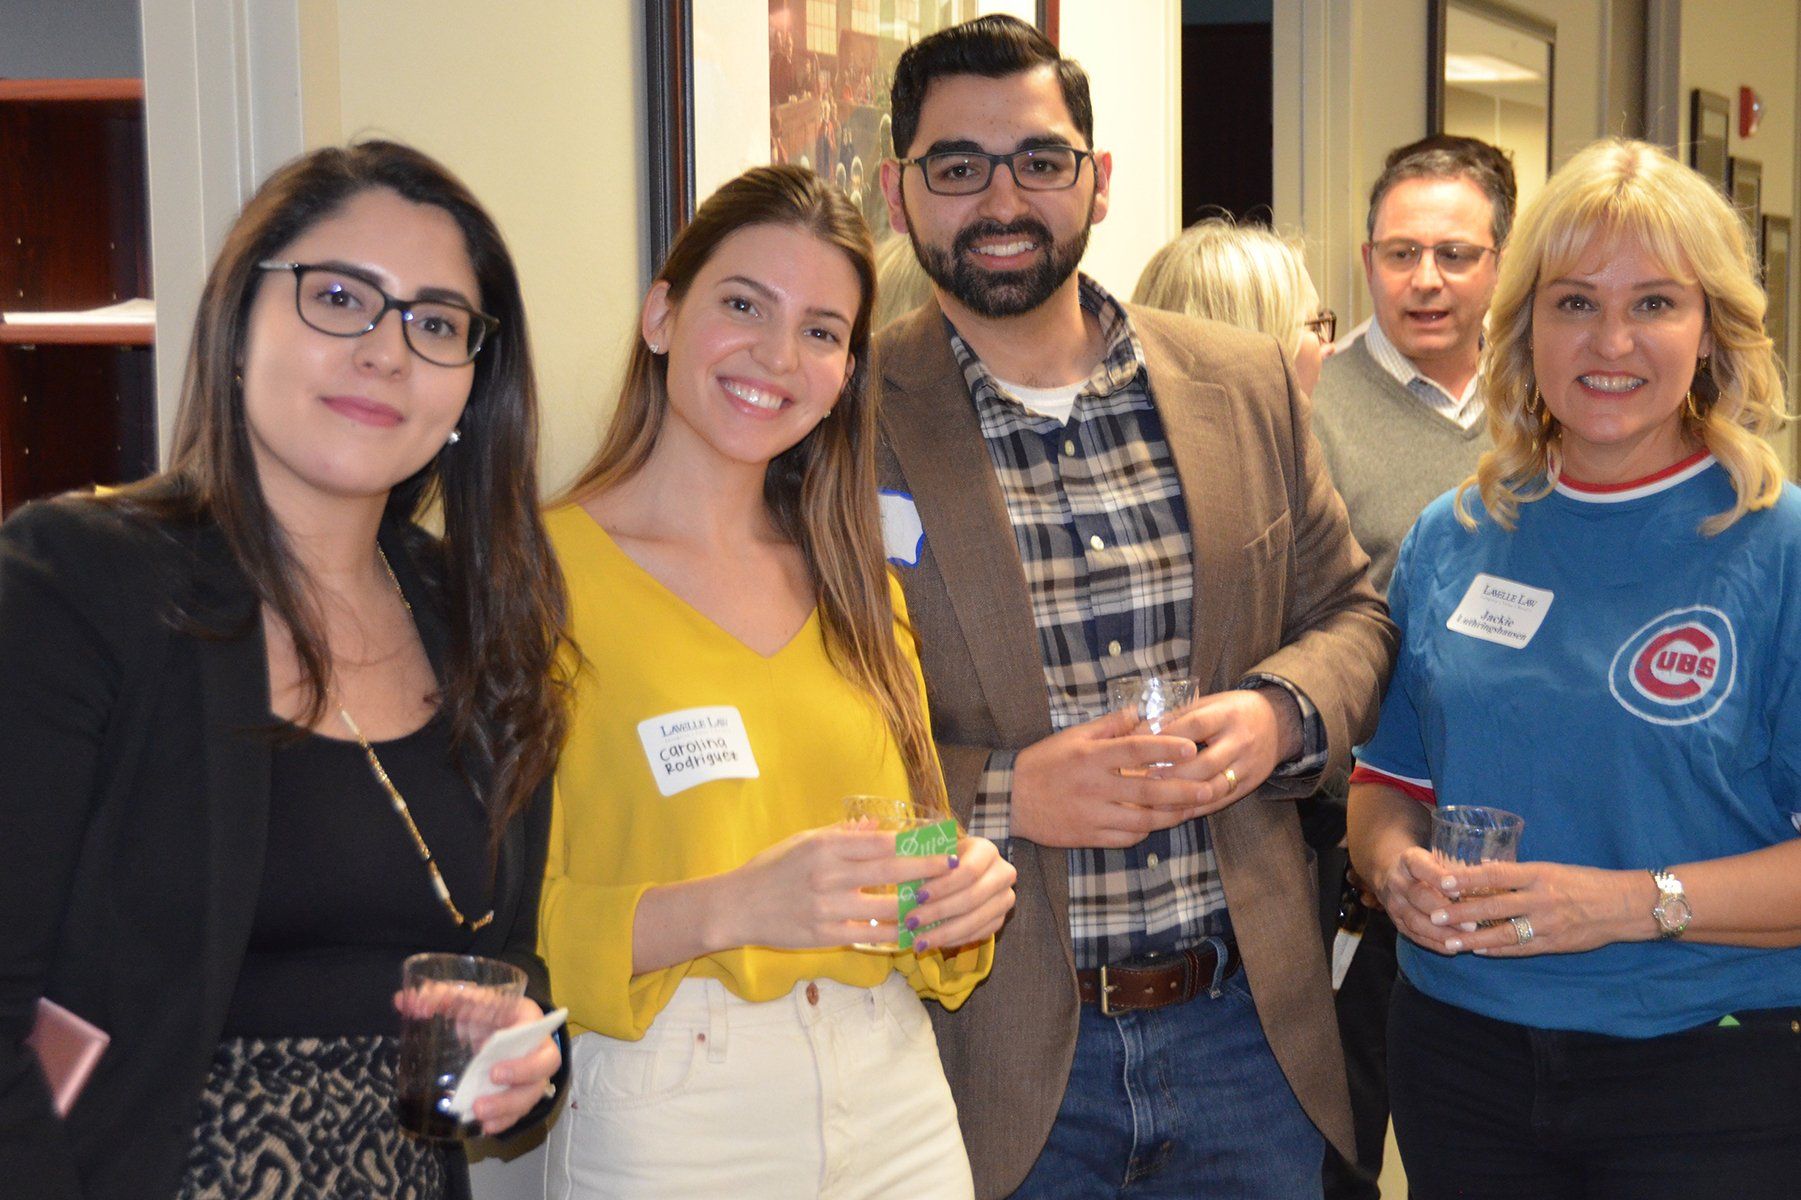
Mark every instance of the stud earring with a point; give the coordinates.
(456, 435)
(655, 347)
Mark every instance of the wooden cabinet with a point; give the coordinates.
(77, 399)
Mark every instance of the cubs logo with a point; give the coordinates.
(1677, 668)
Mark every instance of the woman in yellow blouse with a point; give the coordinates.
(746, 666)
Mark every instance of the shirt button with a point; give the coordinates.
(1113, 649)
(1069, 447)
(812, 993)
(1097, 543)
(1151, 860)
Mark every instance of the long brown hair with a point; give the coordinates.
(504, 687)
(820, 491)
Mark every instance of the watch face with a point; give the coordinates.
(1673, 914)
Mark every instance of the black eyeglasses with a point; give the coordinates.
(1398, 256)
(1324, 325)
(442, 332)
(966, 172)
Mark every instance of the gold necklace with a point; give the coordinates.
(399, 801)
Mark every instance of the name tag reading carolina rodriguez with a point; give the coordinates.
(697, 745)
(1501, 611)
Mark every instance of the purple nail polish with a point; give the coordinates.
(912, 923)
(920, 895)
(920, 946)
(954, 861)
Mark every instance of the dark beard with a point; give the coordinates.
(1001, 293)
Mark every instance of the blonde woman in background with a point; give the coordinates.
(1248, 276)
(1602, 632)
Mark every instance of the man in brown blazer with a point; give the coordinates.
(1076, 492)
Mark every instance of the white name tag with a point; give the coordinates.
(1501, 611)
(695, 746)
(902, 534)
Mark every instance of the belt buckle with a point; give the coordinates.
(1105, 1001)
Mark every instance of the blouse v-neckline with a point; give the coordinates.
(609, 545)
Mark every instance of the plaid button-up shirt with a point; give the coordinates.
(1103, 537)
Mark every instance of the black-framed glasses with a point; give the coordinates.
(1324, 324)
(1399, 256)
(336, 302)
(966, 172)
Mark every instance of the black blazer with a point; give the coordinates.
(134, 795)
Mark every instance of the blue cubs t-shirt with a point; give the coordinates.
(1633, 689)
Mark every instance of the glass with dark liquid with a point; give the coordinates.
(450, 1004)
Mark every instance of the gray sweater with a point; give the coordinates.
(1389, 454)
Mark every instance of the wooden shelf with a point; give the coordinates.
(77, 398)
(77, 335)
(71, 89)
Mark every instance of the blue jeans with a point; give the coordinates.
(1182, 1101)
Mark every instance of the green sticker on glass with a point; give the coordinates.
(940, 837)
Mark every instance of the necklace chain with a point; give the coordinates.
(398, 801)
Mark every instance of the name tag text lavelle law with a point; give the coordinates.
(697, 745)
(1501, 611)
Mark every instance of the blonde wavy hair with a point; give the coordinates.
(1626, 191)
(1244, 275)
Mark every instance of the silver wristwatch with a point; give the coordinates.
(1672, 910)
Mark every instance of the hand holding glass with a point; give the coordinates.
(915, 835)
(1473, 834)
(449, 1005)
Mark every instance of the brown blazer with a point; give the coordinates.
(1279, 588)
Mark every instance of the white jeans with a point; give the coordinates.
(831, 1091)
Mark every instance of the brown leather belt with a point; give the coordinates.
(1135, 985)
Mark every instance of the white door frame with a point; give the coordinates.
(221, 109)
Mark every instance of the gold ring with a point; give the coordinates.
(1231, 779)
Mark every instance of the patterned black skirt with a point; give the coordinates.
(308, 1119)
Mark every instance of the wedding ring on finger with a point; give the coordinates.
(1522, 929)
(1231, 778)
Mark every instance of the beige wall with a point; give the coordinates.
(539, 107)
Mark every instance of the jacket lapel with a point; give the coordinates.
(235, 713)
(1203, 441)
(932, 428)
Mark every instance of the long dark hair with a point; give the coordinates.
(822, 490)
(504, 685)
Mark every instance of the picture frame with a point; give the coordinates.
(713, 111)
(1778, 285)
(1709, 132)
(1745, 190)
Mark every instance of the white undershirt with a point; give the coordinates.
(1055, 402)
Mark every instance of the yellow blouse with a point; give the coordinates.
(651, 660)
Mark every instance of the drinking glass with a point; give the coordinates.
(1473, 833)
(451, 1004)
(1153, 698)
(912, 829)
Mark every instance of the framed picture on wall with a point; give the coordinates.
(819, 95)
(1746, 191)
(1776, 282)
(1709, 125)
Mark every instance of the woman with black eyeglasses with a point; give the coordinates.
(262, 737)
